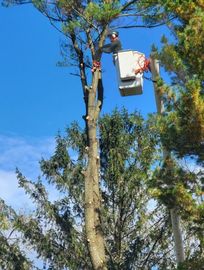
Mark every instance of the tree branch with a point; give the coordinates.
(154, 245)
(128, 4)
(141, 26)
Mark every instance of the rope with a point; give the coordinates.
(96, 65)
(145, 67)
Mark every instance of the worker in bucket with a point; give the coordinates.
(113, 47)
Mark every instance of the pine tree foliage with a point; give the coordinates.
(54, 232)
(182, 130)
(127, 152)
(11, 255)
(174, 186)
(137, 235)
(181, 126)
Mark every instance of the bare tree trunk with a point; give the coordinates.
(179, 250)
(93, 97)
(175, 219)
(92, 193)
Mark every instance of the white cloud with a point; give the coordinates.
(24, 153)
(10, 192)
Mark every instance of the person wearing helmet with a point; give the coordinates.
(114, 46)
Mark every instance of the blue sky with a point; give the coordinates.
(38, 98)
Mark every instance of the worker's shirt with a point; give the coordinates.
(112, 47)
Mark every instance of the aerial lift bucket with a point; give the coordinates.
(128, 67)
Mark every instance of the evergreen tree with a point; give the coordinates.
(11, 255)
(181, 125)
(137, 234)
(182, 130)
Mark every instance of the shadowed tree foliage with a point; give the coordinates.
(182, 129)
(181, 126)
(11, 255)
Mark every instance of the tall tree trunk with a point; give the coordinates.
(179, 250)
(175, 219)
(92, 193)
(93, 98)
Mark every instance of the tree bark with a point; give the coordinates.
(93, 98)
(92, 193)
(179, 250)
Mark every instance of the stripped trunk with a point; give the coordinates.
(175, 219)
(92, 194)
(179, 250)
(93, 98)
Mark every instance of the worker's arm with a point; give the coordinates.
(113, 47)
(108, 48)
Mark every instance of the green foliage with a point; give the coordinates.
(71, 26)
(182, 128)
(68, 6)
(174, 188)
(182, 125)
(196, 262)
(127, 152)
(12, 256)
(103, 12)
(129, 133)
(39, 4)
(56, 229)
(52, 231)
